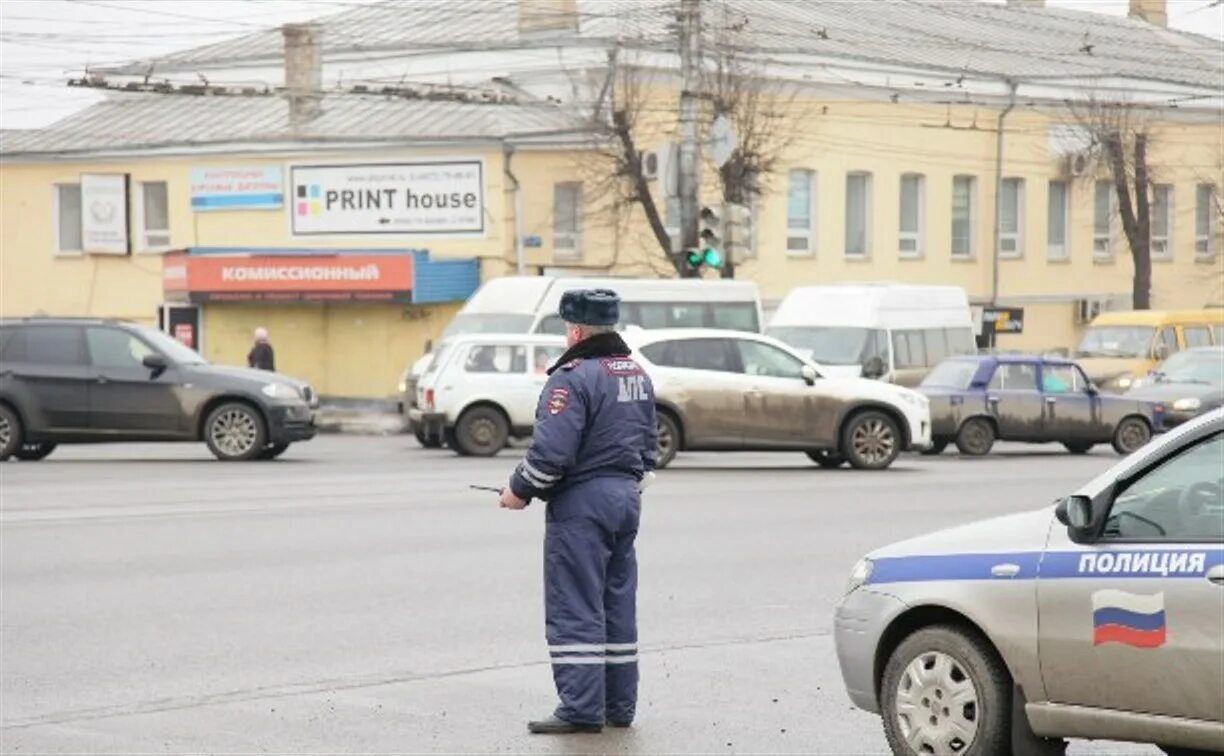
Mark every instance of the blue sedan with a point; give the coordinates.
(980, 399)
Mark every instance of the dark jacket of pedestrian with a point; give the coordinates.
(261, 356)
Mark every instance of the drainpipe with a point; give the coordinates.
(998, 214)
(519, 258)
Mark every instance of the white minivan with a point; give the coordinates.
(896, 332)
(529, 304)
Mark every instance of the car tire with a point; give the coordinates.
(235, 432)
(829, 460)
(937, 448)
(938, 664)
(669, 439)
(272, 451)
(481, 432)
(11, 433)
(976, 437)
(34, 452)
(1078, 447)
(871, 440)
(1130, 435)
(427, 441)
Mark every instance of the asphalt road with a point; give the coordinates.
(357, 597)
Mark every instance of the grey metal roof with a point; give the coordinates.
(162, 120)
(945, 35)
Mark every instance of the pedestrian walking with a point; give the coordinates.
(594, 443)
(261, 356)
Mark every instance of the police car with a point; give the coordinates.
(1101, 617)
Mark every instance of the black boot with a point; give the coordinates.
(620, 723)
(557, 726)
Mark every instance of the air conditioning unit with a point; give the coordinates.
(1086, 310)
(1077, 165)
(650, 165)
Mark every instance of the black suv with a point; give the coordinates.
(68, 381)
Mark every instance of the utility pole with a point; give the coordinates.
(690, 71)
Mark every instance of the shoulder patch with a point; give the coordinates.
(557, 401)
(572, 364)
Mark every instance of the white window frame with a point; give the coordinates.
(971, 252)
(1161, 247)
(143, 234)
(808, 235)
(1060, 251)
(867, 216)
(1103, 253)
(918, 235)
(1014, 238)
(55, 220)
(1204, 246)
(573, 249)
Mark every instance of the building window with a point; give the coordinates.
(1011, 218)
(1056, 221)
(858, 214)
(800, 212)
(964, 201)
(68, 218)
(154, 220)
(1204, 221)
(1102, 221)
(913, 212)
(1162, 222)
(567, 220)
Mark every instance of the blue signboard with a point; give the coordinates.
(250, 187)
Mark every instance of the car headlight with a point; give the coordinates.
(402, 386)
(1125, 381)
(859, 575)
(1187, 405)
(280, 391)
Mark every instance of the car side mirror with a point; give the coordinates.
(155, 362)
(1092, 389)
(1076, 513)
(809, 375)
(874, 367)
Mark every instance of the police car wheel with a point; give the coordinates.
(481, 432)
(669, 439)
(976, 437)
(946, 691)
(871, 441)
(1131, 434)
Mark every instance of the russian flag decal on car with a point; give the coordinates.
(1133, 619)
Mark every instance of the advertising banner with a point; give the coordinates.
(104, 213)
(388, 198)
(252, 187)
(280, 278)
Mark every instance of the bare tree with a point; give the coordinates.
(1120, 131)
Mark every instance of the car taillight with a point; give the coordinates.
(429, 399)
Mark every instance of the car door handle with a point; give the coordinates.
(1005, 570)
(1051, 400)
(992, 399)
(1216, 574)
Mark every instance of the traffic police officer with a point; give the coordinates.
(594, 443)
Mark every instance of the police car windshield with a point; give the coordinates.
(1116, 341)
(488, 322)
(827, 346)
(957, 374)
(176, 351)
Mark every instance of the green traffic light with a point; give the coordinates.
(712, 258)
(694, 258)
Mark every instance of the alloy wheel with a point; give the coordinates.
(6, 432)
(937, 705)
(234, 432)
(873, 441)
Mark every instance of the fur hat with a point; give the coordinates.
(594, 307)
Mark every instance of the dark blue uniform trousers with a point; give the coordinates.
(590, 599)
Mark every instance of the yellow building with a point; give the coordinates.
(925, 142)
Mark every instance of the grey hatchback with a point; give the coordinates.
(68, 381)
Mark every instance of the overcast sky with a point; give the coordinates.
(42, 42)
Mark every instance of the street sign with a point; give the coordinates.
(1003, 319)
(721, 143)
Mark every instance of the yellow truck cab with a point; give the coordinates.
(1121, 346)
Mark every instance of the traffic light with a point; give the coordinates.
(710, 240)
(737, 229)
